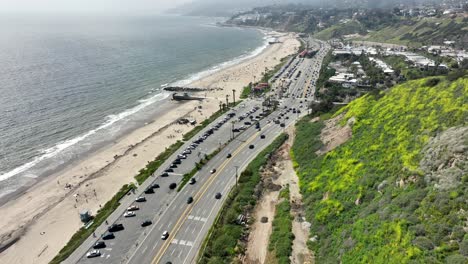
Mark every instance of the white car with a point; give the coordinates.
(133, 208)
(129, 214)
(93, 254)
(165, 235)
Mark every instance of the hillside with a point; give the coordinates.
(396, 191)
(424, 31)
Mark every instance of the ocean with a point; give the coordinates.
(71, 84)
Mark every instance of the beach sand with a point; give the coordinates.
(46, 216)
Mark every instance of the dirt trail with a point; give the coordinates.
(279, 172)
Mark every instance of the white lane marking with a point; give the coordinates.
(190, 217)
(180, 254)
(155, 246)
(182, 242)
(203, 219)
(143, 251)
(175, 241)
(172, 253)
(204, 212)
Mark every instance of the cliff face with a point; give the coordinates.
(397, 190)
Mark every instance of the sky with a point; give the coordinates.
(88, 6)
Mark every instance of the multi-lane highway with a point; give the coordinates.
(187, 215)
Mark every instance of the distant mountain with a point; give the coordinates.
(227, 8)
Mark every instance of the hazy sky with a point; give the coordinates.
(88, 6)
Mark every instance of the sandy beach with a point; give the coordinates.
(42, 220)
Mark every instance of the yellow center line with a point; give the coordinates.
(198, 196)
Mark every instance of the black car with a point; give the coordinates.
(177, 161)
(99, 244)
(282, 125)
(218, 196)
(169, 170)
(189, 200)
(172, 186)
(108, 236)
(115, 228)
(235, 130)
(146, 223)
(155, 186)
(174, 166)
(251, 146)
(262, 136)
(229, 155)
(149, 190)
(192, 181)
(247, 123)
(287, 117)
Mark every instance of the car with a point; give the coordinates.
(133, 208)
(173, 166)
(169, 170)
(149, 190)
(140, 199)
(187, 151)
(172, 186)
(99, 244)
(218, 195)
(115, 227)
(155, 186)
(165, 235)
(262, 136)
(146, 223)
(212, 171)
(108, 236)
(182, 156)
(189, 200)
(251, 147)
(287, 117)
(282, 125)
(229, 155)
(235, 130)
(129, 214)
(93, 254)
(192, 181)
(177, 161)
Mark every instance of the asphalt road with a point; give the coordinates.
(168, 210)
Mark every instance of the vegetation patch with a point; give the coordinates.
(368, 200)
(81, 235)
(221, 245)
(281, 239)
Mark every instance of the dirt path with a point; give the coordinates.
(279, 172)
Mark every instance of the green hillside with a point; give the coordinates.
(341, 29)
(397, 190)
(424, 31)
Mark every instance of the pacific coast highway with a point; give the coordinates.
(169, 210)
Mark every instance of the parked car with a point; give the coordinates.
(99, 244)
(115, 227)
(140, 199)
(149, 190)
(93, 253)
(129, 214)
(133, 208)
(108, 236)
(155, 186)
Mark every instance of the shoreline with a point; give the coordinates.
(38, 208)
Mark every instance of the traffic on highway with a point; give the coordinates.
(157, 223)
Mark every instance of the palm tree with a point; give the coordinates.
(234, 96)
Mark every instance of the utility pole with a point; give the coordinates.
(237, 167)
(227, 101)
